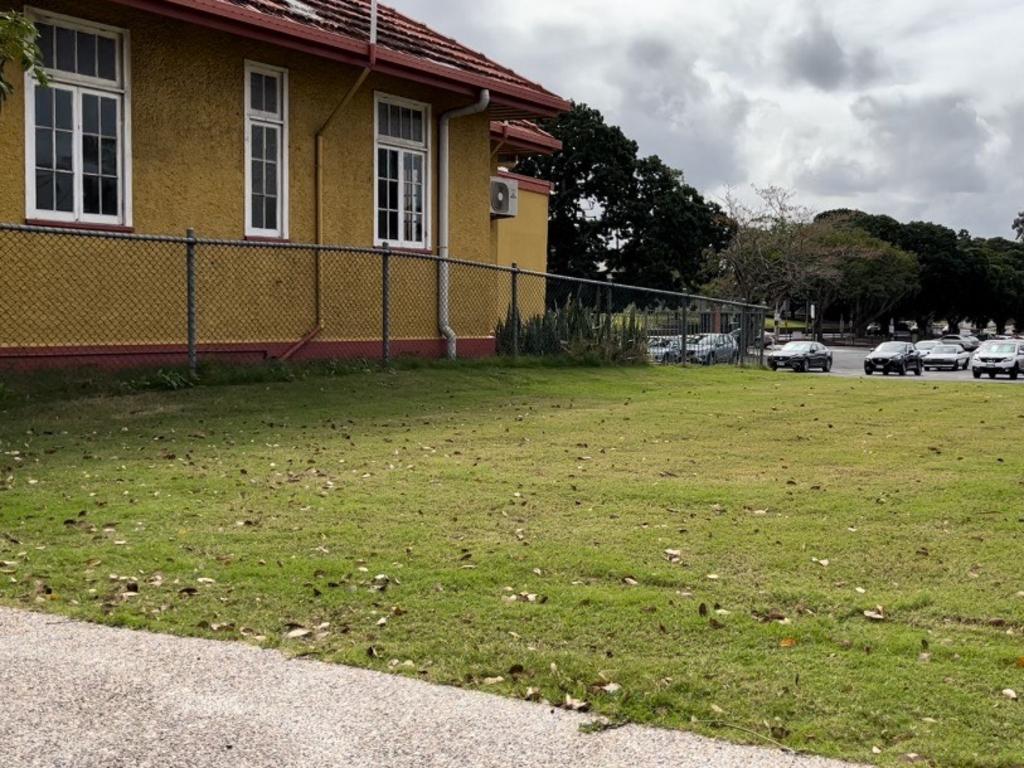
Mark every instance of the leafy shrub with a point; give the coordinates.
(579, 332)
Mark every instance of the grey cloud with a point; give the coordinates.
(839, 177)
(816, 56)
(927, 145)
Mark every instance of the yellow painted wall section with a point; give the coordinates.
(523, 240)
(187, 108)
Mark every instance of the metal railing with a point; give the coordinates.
(72, 297)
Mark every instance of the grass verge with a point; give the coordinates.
(693, 549)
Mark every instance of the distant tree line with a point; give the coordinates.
(636, 220)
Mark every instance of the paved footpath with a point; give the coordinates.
(76, 695)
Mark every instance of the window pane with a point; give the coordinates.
(406, 123)
(257, 141)
(44, 190)
(65, 192)
(90, 113)
(63, 150)
(46, 43)
(271, 141)
(270, 179)
(417, 126)
(270, 85)
(91, 194)
(257, 176)
(393, 225)
(257, 211)
(382, 194)
(86, 54)
(90, 154)
(382, 119)
(63, 112)
(44, 148)
(382, 225)
(110, 195)
(256, 91)
(108, 154)
(107, 58)
(108, 117)
(270, 221)
(44, 107)
(65, 49)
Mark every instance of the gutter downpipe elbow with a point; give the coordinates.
(444, 233)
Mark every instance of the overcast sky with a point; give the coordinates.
(908, 107)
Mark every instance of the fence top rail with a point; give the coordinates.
(103, 234)
(333, 248)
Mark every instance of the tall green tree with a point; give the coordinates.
(596, 164)
(18, 38)
(615, 213)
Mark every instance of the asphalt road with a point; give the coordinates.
(76, 695)
(849, 362)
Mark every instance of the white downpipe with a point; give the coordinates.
(444, 234)
(373, 22)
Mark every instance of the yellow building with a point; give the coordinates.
(271, 123)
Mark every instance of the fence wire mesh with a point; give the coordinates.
(75, 298)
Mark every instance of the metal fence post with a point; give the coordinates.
(190, 282)
(515, 310)
(385, 269)
(686, 331)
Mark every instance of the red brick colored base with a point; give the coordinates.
(173, 355)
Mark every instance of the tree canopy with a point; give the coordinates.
(18, 38)
(615, 212)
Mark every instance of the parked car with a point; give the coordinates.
(767, 339)
(665, 350)
(894, 357)
(970, 343)
(951, 356)
(711, 348)
(927, 346)
(801, 356)
(998, 357)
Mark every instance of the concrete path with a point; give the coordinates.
(75, 695)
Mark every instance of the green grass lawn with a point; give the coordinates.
(694, 549)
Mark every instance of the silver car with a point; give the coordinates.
(951, 356)
(998, 357)
(665, 350)
(711, 348)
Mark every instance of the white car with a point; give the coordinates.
(951, 356)
(998, 357)
(665, 350)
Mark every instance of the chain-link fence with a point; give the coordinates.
(81, 298)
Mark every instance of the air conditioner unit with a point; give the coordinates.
(504, 198)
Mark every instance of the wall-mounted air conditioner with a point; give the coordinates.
(504, 198)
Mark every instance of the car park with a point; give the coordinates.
(898, 357)
(801, 356)
(996, 358)
(947, 356)
(712, 348)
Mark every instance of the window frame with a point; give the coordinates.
(403, 147)
(79, 85)
(259, 117)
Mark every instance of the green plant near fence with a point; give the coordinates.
(577, 331)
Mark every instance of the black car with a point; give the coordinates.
(894, 357)
(801, 356)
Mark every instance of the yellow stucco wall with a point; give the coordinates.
(523, 240)
(187, 103)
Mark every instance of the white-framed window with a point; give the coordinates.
(266, 151)
(78, 129)
(402, 171)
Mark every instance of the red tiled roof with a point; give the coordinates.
(340, 29)
(525, 136)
